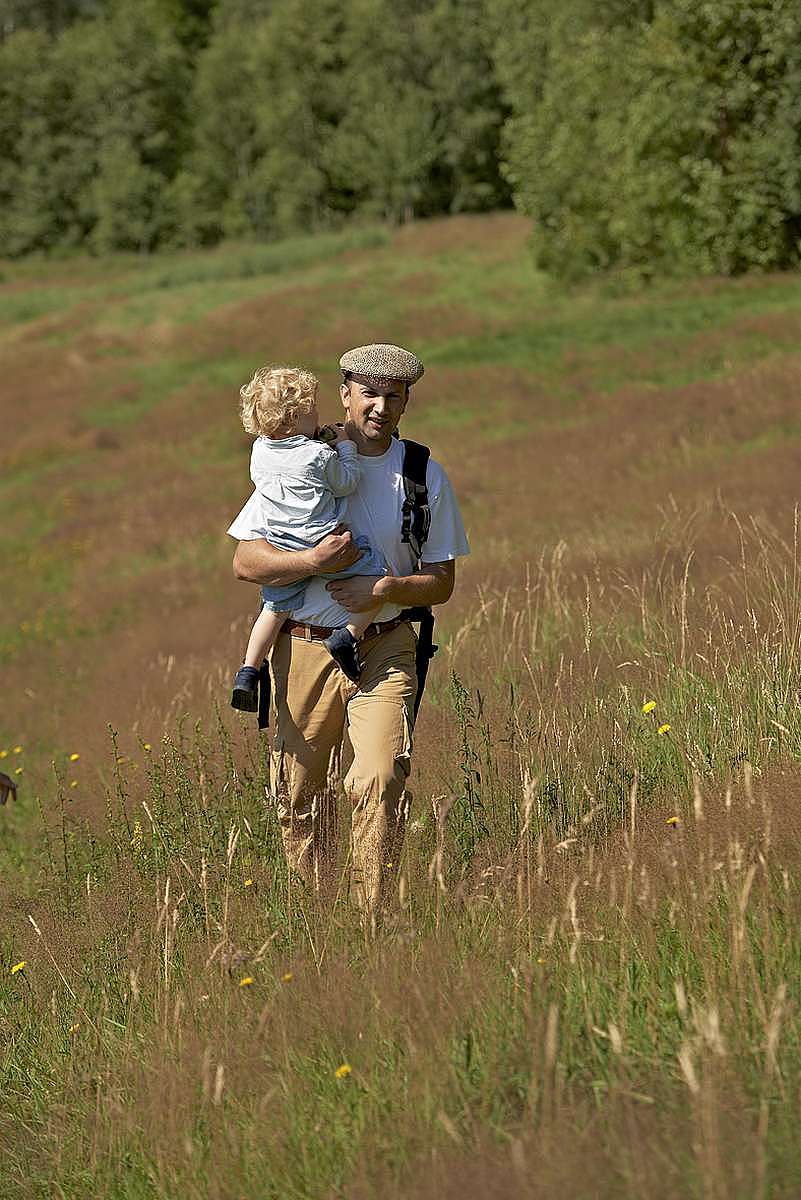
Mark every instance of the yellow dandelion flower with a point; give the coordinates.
(672, 821)
(343, 1070)
(246, 981)
(18, 967)
(286, 977)
(137, 838)
(18, 770)
(663, 728)
(248, 883)
(120, 758)
(649, 706)
(73, 783)
(3, 754)
(146, 746)
(18, 749)
(541, 961)
(74, 757)
(74, 1028)
(389, 866)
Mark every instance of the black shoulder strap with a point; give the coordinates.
(416, 520)
(415, 526)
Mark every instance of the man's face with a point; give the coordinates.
(373, 410)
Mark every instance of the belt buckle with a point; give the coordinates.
(307, 632)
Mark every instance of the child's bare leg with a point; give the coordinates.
(265, 630)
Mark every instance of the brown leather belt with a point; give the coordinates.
(318, 633)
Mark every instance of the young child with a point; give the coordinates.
(297, 481)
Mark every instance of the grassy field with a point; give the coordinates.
(587, 985)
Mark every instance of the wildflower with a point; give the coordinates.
(246, 981)
(541, 961)
(663, 728)
(3, 754)
(74, 1028)
(248, 883)
(649, 706)
(389, 866)
(73, 783)
(18, 770)
(18, 749)
(74, 757)
(672, 821)
(146, 746)
(137, 838)
(120, 758)
(18, 967)
(286, 977)
(343, 1070)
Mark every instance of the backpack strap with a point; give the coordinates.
(416, 518)
(415, 526)
(425, 648)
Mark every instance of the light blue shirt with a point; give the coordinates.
(298, 485)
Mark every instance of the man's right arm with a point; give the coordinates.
(257, 561)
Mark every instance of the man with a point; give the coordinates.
(314, 699)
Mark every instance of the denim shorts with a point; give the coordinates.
(290, 597)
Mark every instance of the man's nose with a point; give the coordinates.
(379, 405)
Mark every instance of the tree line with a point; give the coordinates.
(641, 136)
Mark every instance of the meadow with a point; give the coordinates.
(587, 982)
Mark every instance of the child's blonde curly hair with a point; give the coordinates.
(274, 397)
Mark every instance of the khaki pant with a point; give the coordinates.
(315, 702)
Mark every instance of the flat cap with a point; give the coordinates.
(382, 361)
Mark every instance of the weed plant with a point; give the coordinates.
(586, 979)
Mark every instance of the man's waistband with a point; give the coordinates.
(318, 633)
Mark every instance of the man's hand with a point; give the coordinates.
(358, 594)
(432, 584)
(335, 552)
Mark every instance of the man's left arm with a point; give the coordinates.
(432, 584)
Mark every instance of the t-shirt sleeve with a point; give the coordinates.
(446, 538)
(245, 526)
(342, 470)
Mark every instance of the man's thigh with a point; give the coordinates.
(380, 715)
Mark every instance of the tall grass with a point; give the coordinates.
(586, 982)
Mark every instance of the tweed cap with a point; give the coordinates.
(382, 361)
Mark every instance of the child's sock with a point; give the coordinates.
(344, 649)
(245, 695)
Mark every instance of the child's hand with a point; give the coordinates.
(341, 436)
(327, 434)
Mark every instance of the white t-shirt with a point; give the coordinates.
(374, 510)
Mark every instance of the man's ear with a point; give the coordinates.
(344, 395)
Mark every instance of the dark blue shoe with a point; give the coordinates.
(344, 649)
(245, 695)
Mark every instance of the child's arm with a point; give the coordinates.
(342, 470)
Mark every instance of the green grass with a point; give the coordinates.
(132, 284)
(520, 997)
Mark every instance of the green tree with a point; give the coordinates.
(49, 16)
(655, 137)
(126, 199)
(469, 105)
(211, 191)
(27, 98)
(382, 153)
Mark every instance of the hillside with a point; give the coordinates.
(594, 928)
(582, 419)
